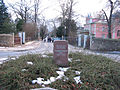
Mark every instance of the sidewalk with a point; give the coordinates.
(27, 46)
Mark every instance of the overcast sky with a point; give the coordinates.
(83, 7)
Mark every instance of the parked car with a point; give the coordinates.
(57, 38)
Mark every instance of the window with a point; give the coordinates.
(118, 33)
(90, 21)
(103, 29)
(103, 35)
(119, 21)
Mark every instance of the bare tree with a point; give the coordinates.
(67, 9)
(36, 12)
(54, 23)
(37, 15)
(43, 31)
(21, 9)
(64, 10)
(29, 29)
(113, 5)
(67, 13)
(41, 27)
(36, 9)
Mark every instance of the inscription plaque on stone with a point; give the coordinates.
(61, 52)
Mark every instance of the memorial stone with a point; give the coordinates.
(61, 53)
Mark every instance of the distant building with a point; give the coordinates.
(116, 26)
(81, 29)
(98, 27)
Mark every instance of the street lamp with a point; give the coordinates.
(64, 32)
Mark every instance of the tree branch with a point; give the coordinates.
(105, 16)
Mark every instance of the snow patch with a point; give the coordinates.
(13, 58)
(78, 60)
(30, 63)
(70, 59)
(41, 81)
(59, 77)
(2, 47)
(77, 72)
(63, 69)
(24, 70)
(47, 82)
(61, 74)
(34, 81)
(77, 80)
(52, 79)
(1, 62)
(3, 59)
(44, 56)
(43, 85)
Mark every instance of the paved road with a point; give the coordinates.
(44, 48)
(41, 48)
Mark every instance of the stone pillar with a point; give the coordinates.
(13, 39)
(85, 40)
(79, 40)
(20, 35)
(23, 37)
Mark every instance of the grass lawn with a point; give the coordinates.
(97, 73)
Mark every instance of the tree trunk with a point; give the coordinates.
(109, 20)
(109, 30)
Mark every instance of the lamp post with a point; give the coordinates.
(38, 34)
(64, 32)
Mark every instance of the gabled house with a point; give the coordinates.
(98, 27)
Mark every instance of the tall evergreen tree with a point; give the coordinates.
(19, 24)
(60, 31)
(3, 15)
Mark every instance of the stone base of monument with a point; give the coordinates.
(61, 53)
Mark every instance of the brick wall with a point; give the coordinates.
(7, 40)
(100, 44)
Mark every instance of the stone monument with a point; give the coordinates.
(61, 53)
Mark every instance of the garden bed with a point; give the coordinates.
(84, 72)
